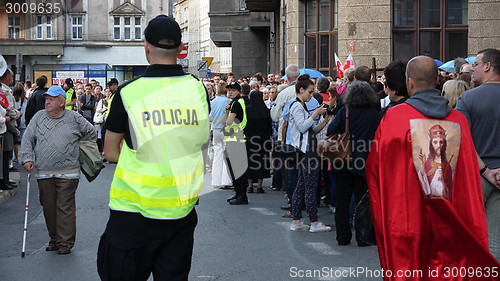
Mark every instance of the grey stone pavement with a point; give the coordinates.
(249, 242)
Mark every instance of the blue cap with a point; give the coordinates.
(55, 91)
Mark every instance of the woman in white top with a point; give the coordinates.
(302, 130)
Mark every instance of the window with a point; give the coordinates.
(321, 36)
(39, 27)
(427, 27)
(14, 26)
(127, 28)
(243, 5)
(137, 26)
(116, 28)
(48, 25)
(43, 23)
(77, 27)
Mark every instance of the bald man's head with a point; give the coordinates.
(421, 73)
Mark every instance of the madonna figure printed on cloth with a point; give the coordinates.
(437, 167)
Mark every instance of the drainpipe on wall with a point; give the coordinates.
(282, 36)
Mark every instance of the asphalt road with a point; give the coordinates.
(250, 242)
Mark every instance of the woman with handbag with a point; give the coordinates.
(301, 134)
(100, 113)
(350, 177)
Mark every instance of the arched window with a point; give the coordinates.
(429, 27)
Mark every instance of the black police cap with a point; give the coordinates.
(163, 28)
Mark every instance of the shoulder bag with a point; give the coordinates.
(363, 221)
(337, 148)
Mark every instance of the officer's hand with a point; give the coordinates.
(28, 166)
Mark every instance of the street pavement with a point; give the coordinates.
(249, 242)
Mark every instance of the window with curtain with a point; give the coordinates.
(429, 27)
(321, 35)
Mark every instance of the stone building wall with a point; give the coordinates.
(484, 25)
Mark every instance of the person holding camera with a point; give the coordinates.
(301, 135)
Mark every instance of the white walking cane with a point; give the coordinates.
(26, 214)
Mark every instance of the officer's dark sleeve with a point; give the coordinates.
(238, 110)
(117, 118)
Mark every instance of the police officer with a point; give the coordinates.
(235, 121)
(70, 93)
(159, 174)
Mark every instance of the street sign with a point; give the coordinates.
(208, 60)
(183, 54)
(202, 73)
(202, 65)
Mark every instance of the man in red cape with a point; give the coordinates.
(418, 236)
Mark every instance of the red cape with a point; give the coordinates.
(435, 236)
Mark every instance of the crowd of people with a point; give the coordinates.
(270, 113)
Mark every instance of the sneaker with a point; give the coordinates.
(287, 214)
(298, 226)
(319, 227)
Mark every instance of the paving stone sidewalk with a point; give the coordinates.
(6, 194)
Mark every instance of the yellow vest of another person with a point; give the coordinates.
(234, 132)
(162, 176)
(69, 95)
(109, 106)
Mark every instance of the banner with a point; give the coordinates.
(59, 77)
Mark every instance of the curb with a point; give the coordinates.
(6, 194)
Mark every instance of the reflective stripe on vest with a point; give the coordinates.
(234, 132)
(69, 94)
(162, 176)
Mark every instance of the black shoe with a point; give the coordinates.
(13, 169)
(250, 190)
(11, 182)
(285, 207)
(260, 190)
(239, 201)
(344, 243)
(7, 187)
(231, 198)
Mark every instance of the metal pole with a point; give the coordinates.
(26, 214)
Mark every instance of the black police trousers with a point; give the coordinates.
(132, 247)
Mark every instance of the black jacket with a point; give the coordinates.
(35, 103)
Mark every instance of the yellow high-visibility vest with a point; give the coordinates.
(69, 94)
(234, 132)
(162, 175)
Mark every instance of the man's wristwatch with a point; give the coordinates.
(483, 170)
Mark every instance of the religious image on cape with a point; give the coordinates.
(435, 148)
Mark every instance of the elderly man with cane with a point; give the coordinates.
(51, 144)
